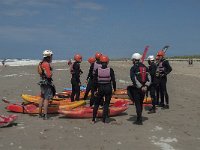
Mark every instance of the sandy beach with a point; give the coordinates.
(173, 129)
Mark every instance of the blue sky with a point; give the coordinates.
(116, 28)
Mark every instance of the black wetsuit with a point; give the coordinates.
(164, 69)
(137, 94)
(89, 81)
(154, 82)
(104, 90)
(75, 81)
(92, 71)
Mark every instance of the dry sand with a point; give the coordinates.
(173, 129)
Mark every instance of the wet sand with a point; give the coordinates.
(173, 129)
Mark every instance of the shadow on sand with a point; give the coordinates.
(133, 118)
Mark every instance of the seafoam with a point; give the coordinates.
(25, 62)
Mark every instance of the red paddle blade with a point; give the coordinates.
(144, 53)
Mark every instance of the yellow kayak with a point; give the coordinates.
(64, 102)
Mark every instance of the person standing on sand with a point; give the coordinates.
(141, 79)
(164, 69)
(94, 67)
(89, 79)
(157, 86)
(154, 82)
(75, 80)
(3, 62)
(46, 85)
(102, 83)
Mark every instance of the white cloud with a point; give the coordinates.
(18, 12)
(29, 33)
(88, 5)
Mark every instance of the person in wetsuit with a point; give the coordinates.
(164, 69)
(89, 79)
(75, 79)
(154, 82)
(141, 80)
(93, 68)
(104, 78)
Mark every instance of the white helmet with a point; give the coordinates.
(136, 56)
(47, 53)
(151, 57)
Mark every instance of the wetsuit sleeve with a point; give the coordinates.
(76, 69)
(112, 74)
(132, 76)
(90, 71)
(95, 80)
(148, 78)
(152, 70)
(47, 69)
(136, 83)
(167, 67)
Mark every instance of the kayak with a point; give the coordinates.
(72, 105)
(147, 100)
(31, 98)
(82, 88)
(36, 99)
(34, 109)
(7, 120)
(120, 92)
(87, 112)
(82, 93)
(126, 100)
(30, 108)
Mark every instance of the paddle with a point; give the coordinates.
(144, 53)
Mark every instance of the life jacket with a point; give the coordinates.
(42, 72)
(161, 67)
(96, 66)
(141, 74)
(104, 75)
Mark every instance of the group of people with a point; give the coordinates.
(101, 82)
(152, 79)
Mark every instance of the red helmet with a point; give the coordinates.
(78, 57)
(104, 59)
(98, 55)
(161, 53)
(91, 60)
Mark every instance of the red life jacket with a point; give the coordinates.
(104, 75)
(143, 74)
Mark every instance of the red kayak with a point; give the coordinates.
(30, 108)
(87, 112)
(7, 120)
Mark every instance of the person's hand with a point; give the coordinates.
(144, 89)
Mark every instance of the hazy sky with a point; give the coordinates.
(117, 28)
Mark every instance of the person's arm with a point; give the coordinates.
(112, 74)
(95, 80)
(90, 71)
(167, 67)
(148, 82)
(76, 69)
